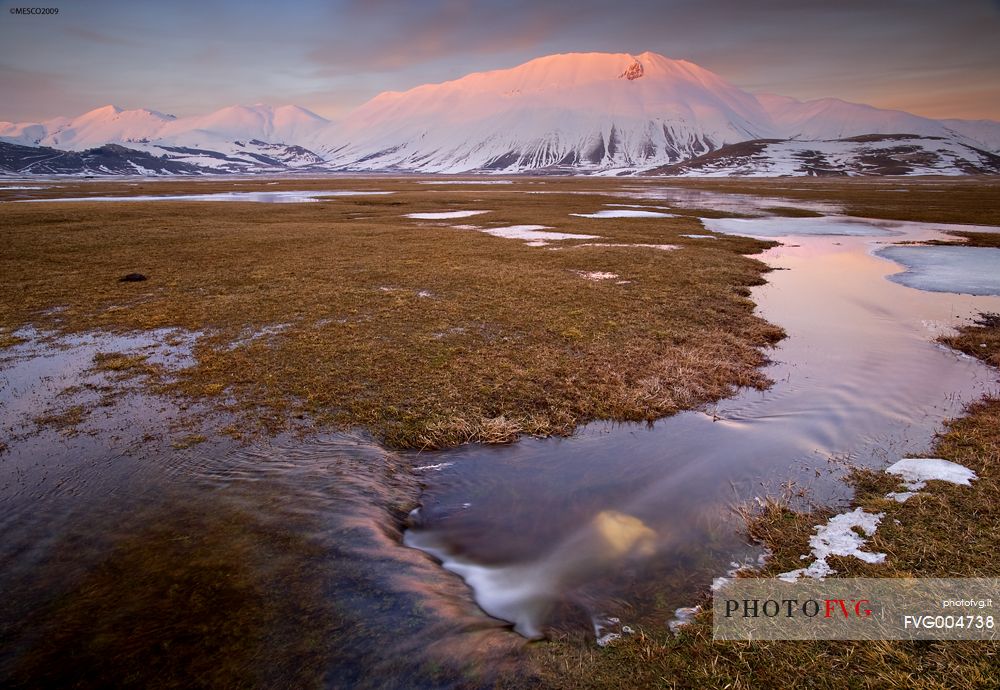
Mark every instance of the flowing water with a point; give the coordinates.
(550, 529)
(285, 564)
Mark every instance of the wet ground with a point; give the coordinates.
(137, 545)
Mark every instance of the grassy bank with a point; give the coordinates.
(344, 313)
(944, 531)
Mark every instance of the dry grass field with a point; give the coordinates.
(344, 313)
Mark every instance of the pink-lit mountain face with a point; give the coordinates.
(575, 113)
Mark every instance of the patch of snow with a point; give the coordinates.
(662, 247)
(464, 182)
(596, 275)
(249, 335)
(701, 237)
(260, 197)
(607, 638)
(604, 633)
(916, 472)
(682, 617)
(900, 496)
(838, 538)
(534, 233)
(659, 208)
(437, 467)
(792, 227)
(967, 270)
(443, 215)
(624, 213)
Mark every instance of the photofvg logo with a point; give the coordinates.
(789, 608)
(858, 609)
(28, 11)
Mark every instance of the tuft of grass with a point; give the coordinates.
(189, 441)
(119, 362)
(981, 339)
(66, 420)
(8, 339)
(792, 212)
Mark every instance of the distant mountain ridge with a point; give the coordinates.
(578, 113)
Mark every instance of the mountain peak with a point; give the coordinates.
(632, 72)
(109, 110)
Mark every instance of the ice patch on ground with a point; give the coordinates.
(437, 467)
(916, 472)
(596, 275)
(838, 538)
(624, 213)
(682, 617)
(968, 270)
(464, 182)
(534, 233)
(662, 247)
(645, 206)
(607, 630)
(443, 215)
(790, 227)
(259, 197)
(249, 334)
(701, 237)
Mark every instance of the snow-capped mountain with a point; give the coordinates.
(832, 118)
(605, 113)
(94, 128)
(582, 112)
(285, 124)
(258, 138)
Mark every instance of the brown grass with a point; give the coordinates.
(344, 313)
(981, 339)
(972, 239)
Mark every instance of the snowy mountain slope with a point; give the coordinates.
(870, 154)
(94, 128)
(589, 113)
(832, 118)
(986, 133)
(582, 111)
(288, 124)
(110, 159)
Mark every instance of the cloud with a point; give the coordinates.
(382, 35)
(98, 37)
(37, 93)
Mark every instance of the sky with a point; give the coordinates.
(938, 58)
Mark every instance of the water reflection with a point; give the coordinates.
(859, 378)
